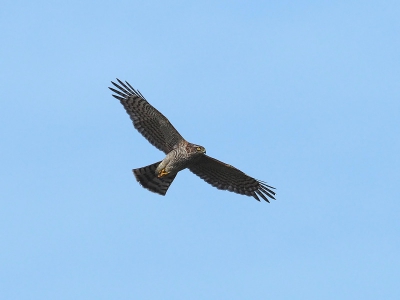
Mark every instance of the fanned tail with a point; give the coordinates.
(147, 177)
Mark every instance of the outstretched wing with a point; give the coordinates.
(227, 177)
(152, 124)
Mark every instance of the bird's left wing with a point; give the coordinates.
(152, 124)
(227, 177)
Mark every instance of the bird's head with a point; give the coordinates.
(200, 149)
(197, 149)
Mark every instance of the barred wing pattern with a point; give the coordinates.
(152, 124)
(227, 177)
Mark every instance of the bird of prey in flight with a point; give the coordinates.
(180, 154)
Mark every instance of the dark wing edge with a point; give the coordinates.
(152, 124)
(125, 90)
(226, 177)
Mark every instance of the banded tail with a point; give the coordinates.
(147, 177)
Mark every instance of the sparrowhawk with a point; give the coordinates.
(157, 129)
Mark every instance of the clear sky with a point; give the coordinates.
(304, 95)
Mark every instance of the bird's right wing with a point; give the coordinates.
(152, 124)
(227, 177)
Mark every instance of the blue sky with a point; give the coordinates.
(303, 95)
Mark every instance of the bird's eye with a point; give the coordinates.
(198, 149)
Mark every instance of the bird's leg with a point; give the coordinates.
(162, 173)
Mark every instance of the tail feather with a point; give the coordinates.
(147, 177)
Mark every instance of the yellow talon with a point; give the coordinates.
(162, 173)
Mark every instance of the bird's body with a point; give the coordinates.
(184, 155)
(180, 154)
